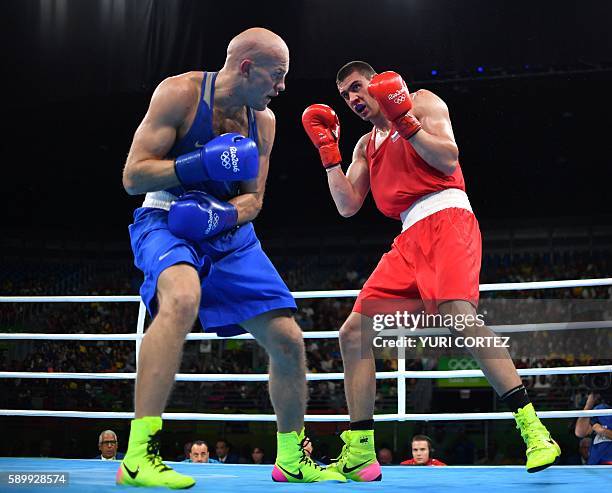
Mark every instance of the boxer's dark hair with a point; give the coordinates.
(363, 68)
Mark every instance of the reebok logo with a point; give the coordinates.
(298, 476)
(132, 474)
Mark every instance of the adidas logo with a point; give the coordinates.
(364, 440)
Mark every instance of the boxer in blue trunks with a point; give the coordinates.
(201, 156)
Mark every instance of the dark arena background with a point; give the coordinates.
(527, 85)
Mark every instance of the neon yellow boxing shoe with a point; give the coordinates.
(542, 450)
(142, 464)
(357, 460)
(293, 464)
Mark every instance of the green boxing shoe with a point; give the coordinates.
(293, 465)
(142, 464)
(357, 460)
(542, 450)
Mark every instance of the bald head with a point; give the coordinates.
(254, 71)
(256, 44)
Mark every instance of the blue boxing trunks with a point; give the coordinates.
(238, 280)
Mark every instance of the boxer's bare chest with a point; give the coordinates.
(223, 123)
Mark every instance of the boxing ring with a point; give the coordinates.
(96, 475)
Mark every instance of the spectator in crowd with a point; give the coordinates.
(198, 453)
(583, 450)
(108, 445)
(258, 456)
(224, 453)
(600, 427)
(385, 456)
(580, 458)
(186, 453)
(422, 450)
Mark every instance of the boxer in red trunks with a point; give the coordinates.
(410, 162)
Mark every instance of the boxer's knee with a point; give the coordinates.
(351, 333)
(284, 341)
(178, 295)
(467, 324)
(289, 344)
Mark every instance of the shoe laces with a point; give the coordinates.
(305, 458)
(153, 447)
(532, 430)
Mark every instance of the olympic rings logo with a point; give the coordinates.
(213, 222)
(229, 159)
(462, 364)
(226, 160)
(398, 97)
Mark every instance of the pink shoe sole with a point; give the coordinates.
(371, 473)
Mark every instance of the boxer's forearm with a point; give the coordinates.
(347, 200)
(604, 432)
(149, 176)
(248, 206)
(439, 152)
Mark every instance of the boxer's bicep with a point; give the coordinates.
(157, 132)
(145, 168)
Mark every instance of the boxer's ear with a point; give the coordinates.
(245, 67)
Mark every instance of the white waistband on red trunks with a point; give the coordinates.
(159, 200)
(432, 203)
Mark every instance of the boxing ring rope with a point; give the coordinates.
(400, 374)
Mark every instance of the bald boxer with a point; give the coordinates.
(201, 156)
(410, 162)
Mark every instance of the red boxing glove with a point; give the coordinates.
(323, 127)
(391, 93)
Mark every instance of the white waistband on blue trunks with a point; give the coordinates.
(432, 203)
(159, 200)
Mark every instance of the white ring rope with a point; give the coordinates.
(263, 377)
(319, 334)
(400, 375)
(340, 293)
(307, 417)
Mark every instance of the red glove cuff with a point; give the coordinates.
(330, 155)
(407, 125)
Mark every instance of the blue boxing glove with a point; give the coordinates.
(229, 157)
(197, 215)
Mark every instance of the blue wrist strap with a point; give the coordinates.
(188, 168)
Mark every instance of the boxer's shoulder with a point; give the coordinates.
(265, 117)
(362, 144)
(177, 96)
(424, 100)
(182, 88)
